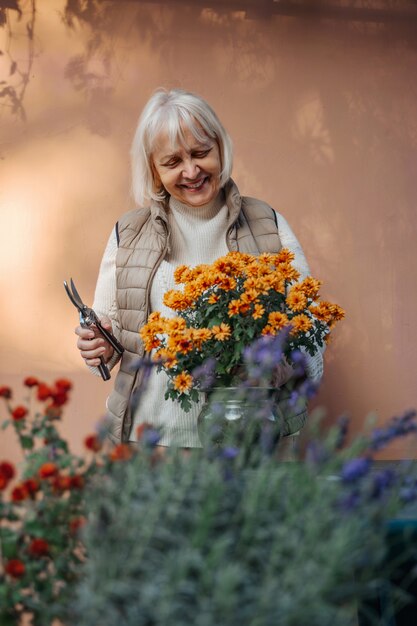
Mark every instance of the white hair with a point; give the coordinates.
(170, 111)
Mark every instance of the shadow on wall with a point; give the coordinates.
(321, 108)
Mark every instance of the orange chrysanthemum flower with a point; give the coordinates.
(176, 300)
(222, 332)
(166, 357)
(250, 295)
(176, 324)
(215, 297)
(296, 300)
(289, 272)
(269, 330)
(183, 382)
(322, 312)
(233, 308)
(227, 283)
(180, 344)
(277, 320)
(310, 287)
(267, 258)
(181, 274)
(258, 311)
(284, 256)
(300, 324)
(200, 335)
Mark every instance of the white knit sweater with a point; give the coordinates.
(197, 236)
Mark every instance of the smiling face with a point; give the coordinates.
(189, 171)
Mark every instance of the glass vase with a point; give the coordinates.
(234, 415)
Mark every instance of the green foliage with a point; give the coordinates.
(211, 538)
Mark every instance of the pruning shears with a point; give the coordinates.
(89, 318)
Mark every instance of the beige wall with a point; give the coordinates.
(323, 115)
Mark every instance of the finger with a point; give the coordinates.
(92, 362)
(91, 344)
(93, 354)
(84, 333)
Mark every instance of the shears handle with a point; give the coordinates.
(104, 370)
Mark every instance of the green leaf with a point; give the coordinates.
(9, 541)
(26, 442)
(5, 424)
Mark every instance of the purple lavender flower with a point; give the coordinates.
(349, 502)
(397, 427)
(205, 374)
(408, 494)
(343, 425)
(305, 391)
(316, 453)
(151, 437)
(264, 354)
(355, 469)
(381, 481)
(298, 361)
(229, 452)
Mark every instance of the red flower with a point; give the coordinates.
(15, 568)
(38, 547)
(31, 381)
(7, 470)
(77, 481)
(31, 485)
(61, 483)
(76, 523)
(121, 452)
(5, 392)
(63, 385)
(19, 493)
(92, 442)
(59, 398)
(44, 392)
(47, 469)
(19, 413)
(142, 428)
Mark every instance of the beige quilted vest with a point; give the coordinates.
(143, 242)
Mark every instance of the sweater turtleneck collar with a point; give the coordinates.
(203, 212)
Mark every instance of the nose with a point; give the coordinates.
(190, 169)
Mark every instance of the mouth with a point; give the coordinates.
(196, 186)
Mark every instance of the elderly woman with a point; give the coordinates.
(192, 213)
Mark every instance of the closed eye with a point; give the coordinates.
(171, 163)
(202, 153)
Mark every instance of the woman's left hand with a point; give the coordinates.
(282, 373)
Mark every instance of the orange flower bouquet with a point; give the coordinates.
(226, 306)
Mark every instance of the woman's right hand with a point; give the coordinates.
(92, 344)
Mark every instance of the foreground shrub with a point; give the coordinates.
(223, 537)
(226, 535)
